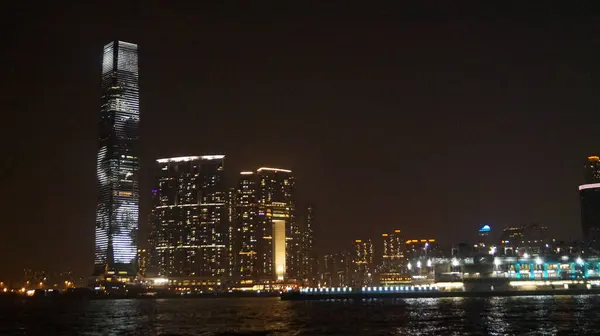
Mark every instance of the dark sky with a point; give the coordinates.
(433, 120)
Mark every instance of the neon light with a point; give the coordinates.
(485, 228)
(190, 158)
(589, 186)
(274, 169)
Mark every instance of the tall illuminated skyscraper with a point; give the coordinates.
(117, 163)
(190, 218)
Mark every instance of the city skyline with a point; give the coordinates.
(415, 129)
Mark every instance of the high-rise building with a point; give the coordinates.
(280, 248)
(190, 218)
(592, 170)
(117, 162)
(393, 251)
(308, 259)
(589, 195)
(245, 233)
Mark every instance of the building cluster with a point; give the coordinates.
(252, 235)
(205, 234)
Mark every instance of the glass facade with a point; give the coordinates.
(190, 218)
(117, 163)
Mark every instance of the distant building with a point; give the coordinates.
(336, 270)
(529, 239)
(308, 259)
(364, 262)
(142, 261)
(393, 251)
(117, 163)
(421, 249)
(592, 170)
(190, 218)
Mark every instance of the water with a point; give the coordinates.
(534, 315)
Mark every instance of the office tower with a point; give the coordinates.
(280, 245)
(245, 234)
(393, 251)
(117, 163)
(364, 252)
(592, 170)
(190, 218)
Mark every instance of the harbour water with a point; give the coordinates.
(528, 315)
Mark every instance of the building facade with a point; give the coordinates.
(117, 165)
(190, 218)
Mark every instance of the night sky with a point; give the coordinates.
(431, 120)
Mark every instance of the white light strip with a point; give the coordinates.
(274, 169)
(589, 186)
(246, 173)
(190, 158)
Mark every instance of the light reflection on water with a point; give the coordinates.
(533, 315)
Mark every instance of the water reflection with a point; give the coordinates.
(535, 315)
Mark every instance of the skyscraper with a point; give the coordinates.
(190, 218)
(308, 259)
(117, 162)
(245, 233)
(280, 246)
